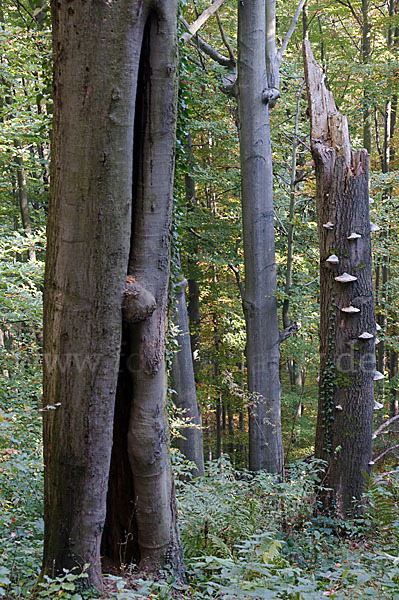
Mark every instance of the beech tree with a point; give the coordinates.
(106, 287)
(183, 382)
(257, 92)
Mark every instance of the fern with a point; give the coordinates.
(383, 507)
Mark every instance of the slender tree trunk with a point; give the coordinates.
(218, 417)
(382, 319)
(260, 306)
(393, 373)
(230, 420)
(366, 57)
(183, 382)
(109, 216)
(24, 202)
(290, 237)
(347, 361)
(193, 286)
(194, 317)
(217, 399)
(224, 422)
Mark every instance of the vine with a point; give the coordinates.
(328, 377)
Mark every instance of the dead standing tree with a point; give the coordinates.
(347, 322)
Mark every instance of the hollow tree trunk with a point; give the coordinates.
(111, 189)
(347, 362)
(183, 383)
(260, 306)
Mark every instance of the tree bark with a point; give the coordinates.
(24, 201)
(183, 382)
(111, 189)
(366, 57)
(347, 362)
(260, 304)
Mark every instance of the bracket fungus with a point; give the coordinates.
(378, 327)
(333, 259)
(345, 278)
(365, 336)
(378, 376)
(350, 309)
(374, 228)
(377, 341)
(328, 225)
(378, 405)
(339, 407)
(354, 236)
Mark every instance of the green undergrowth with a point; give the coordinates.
(244, 536)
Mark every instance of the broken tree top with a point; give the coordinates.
(327, 126)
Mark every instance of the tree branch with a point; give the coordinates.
(290, 30)
(349, 5)
(385, 453)
(198, 23)
(288, 331)
(236, 272)
(384, 425)
(225, 40)
(281, 223)
(209, 51)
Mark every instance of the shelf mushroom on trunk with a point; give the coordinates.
(347, 364)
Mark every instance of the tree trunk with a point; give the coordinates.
(23, 201)
(111, 188)
(218, 417)
(194, 318)
(393, 372)
(230, 420)
(193, 286)
(262, 350)
(183, 382)
(366, 57)
(347, 361)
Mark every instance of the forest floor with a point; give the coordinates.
(244, 537)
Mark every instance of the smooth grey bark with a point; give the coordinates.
(183, 382)
(201, 20)
(274, 56)
(23, 200)
(263, 374)
(347, 361)
(366, 58)
(260, 306)
(111, 190)
(155, 508)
